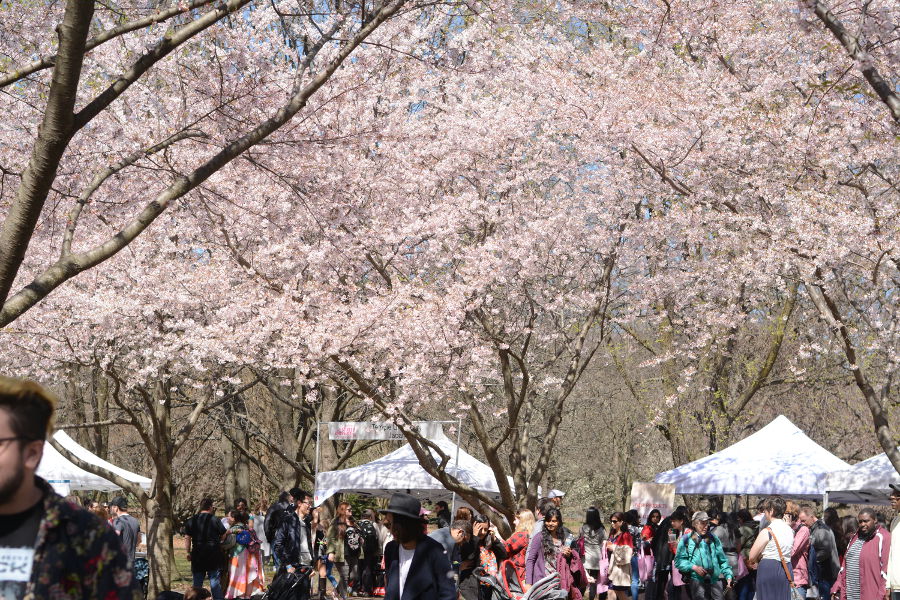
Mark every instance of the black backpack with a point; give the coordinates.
(369, 537)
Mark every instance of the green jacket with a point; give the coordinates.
(336, 545)
(706, 552)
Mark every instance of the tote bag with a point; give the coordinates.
(676, 576)
(742, 570)
(603, 574)
(645, 564)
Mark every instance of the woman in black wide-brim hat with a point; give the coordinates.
(415, 566)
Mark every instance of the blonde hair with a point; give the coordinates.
(526, 520)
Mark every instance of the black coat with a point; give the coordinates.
(430, 575)
(286, 545)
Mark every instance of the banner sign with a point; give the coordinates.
(368, 430)
(647, 496)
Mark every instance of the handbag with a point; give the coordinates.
(796, 593)
(645, 564)
(742, 570)
(244, 537)
(488, 562)
(677, 579)
(603, 573)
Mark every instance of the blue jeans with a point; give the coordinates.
(328, 567)
(215, 586)
(746, 587)
(824, 589)
(635, 577)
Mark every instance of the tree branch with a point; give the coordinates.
(829, 312)
(53, 137)
(45, 62)
(851, 44)
(771, 356)
(163, 48)
(63, 270)
(84, 198)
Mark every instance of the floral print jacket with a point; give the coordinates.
(77, 556)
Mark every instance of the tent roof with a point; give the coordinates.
(55, 468)
(865, 482)
(777, 459)
(400, 471)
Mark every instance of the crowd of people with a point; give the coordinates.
(51, 548)
(344, 551)
(784, 551)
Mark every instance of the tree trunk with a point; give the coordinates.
(241, 464)
(160, 529)
(228, 463)
(101, 413)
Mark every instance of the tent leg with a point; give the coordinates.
(456, 467)
(824, 500)
(316, 475)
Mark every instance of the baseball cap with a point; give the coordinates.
(556, 494)
(700, 515)
(895, 487)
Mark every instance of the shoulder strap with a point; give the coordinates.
(781, 556)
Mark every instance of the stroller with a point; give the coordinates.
(511, 588)
(282, 588)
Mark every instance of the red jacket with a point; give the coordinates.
(800, 555)
(873, 562)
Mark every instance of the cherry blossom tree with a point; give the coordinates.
(136, 84)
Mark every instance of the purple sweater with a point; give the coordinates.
(569, 570)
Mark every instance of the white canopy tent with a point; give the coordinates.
(865, 482)
(777, 459)
(66, 477)
(400, 471)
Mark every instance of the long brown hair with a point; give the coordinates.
(342, 520)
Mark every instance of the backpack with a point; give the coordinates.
(354, 541)
(369, 537)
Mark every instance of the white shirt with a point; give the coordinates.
(785, 536)
(406, 557)
(893, 568)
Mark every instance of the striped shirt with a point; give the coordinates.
(851, 565)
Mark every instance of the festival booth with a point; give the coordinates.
(400, 471)
(777, 459)
(66, 477)
(866, 482)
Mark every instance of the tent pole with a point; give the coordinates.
(316, 477)
(824, 500)
(456, 467)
